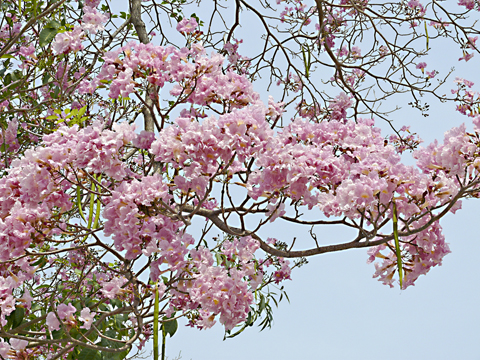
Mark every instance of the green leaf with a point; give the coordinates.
(18, 315)
(46, 79)
(47, 35)
(35, 307)
(7, 79)
(118, 321)
(57, 334)
(53, 24)
(262, 303)
(89, 354)
(40, 262)
(115, 356)
(116, 302)
(7, 56)
(82, 111)
(170, 327)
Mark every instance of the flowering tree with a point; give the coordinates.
(117, 137)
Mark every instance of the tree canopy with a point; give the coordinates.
(144, 158)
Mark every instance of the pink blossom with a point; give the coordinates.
(27, 298)
(472, 42)
(68, 41)
(4, 349)
(4, 104)
(275, 211)
(187, 25)
(284, 272)
(466, 56)
(92, 3)
(10, 135)
(18, 344)
(87, 87)
(52, 322)
(93, 20)
(339, 107)
(469, 4)
(144, 140)
(87, 317)
(414, 4)
(342, 52)
(112, 288)
(467, 83)
(356, 52)
(207, 320)
(27, 51)
(66, 311)
(421, 66)
(275, 109)
(219, 293)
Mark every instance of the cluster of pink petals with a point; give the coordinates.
(111, 289)
(283, 272)
(203, 78)
(417, 5)
(8, 351)
(136, 231)
(343, 168)
(421, 65)
(201, 149)
(64, 312)
(424, 250)
(187, 25)
(32, 189)
(144, 140)
(220, 291)
(438, 158)
(92, 20)
(339, 106)
(10, 136)
(68, 41)
(469, 4)
(87, 317)
(224, 293)
(7, 301)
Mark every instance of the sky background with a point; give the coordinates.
(337, 310)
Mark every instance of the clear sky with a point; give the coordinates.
(336, 309)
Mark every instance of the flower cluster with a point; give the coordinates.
(32, 190)
(69, 41)
(136, 231)
(92, 20)
(203, 81)
(66, 314)
(420, 252)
